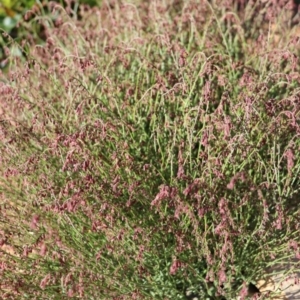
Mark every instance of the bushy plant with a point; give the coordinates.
(148, 149)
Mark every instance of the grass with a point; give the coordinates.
(150, 151)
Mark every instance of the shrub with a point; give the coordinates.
(147, 149)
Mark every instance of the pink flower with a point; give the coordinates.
(176, 264)
(45, 281)
(222, 276)
(290, 159)
(244, 291)
(34, 222)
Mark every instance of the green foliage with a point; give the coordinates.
(13, 12)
